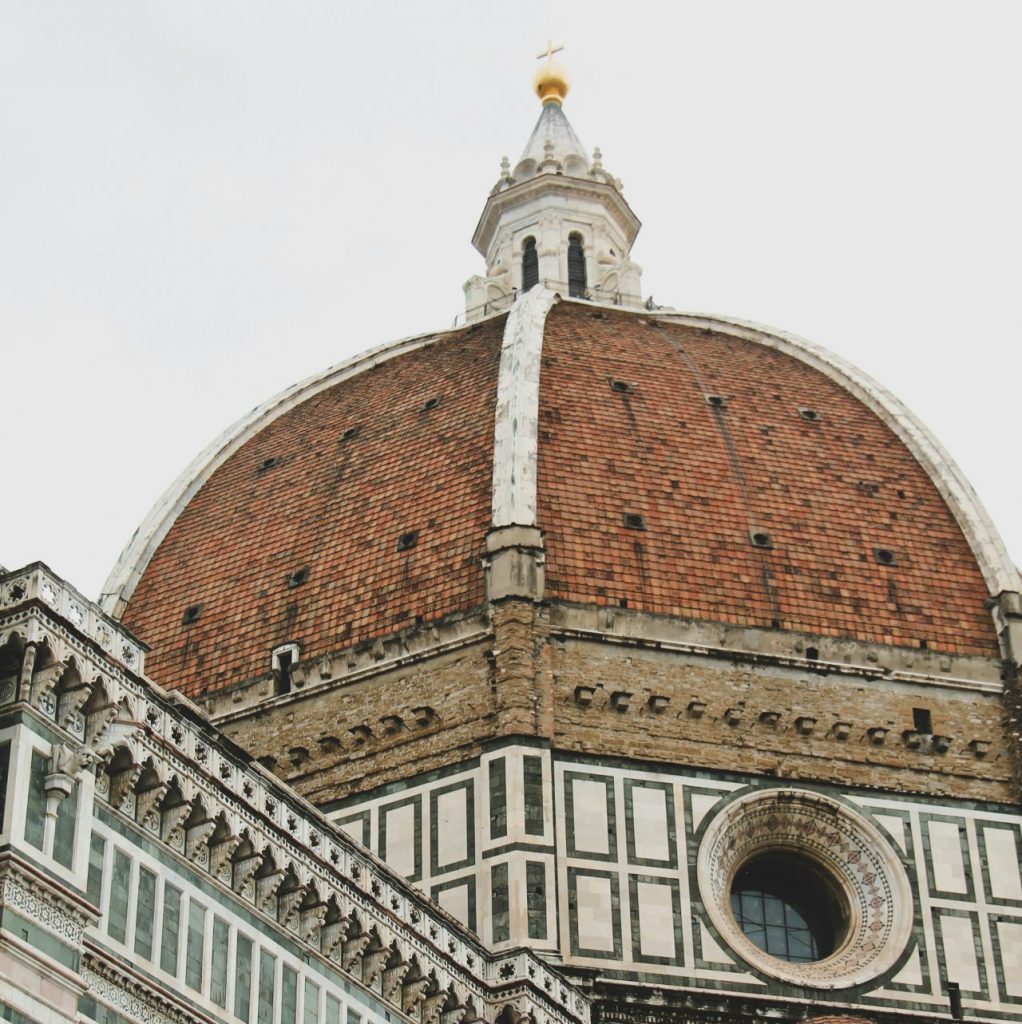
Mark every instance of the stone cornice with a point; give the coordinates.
(555, 184)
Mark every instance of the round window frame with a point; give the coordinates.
(846, 847)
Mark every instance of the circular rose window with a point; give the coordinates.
(805, 889)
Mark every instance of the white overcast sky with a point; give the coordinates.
(202, 201)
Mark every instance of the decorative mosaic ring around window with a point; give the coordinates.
(817, 837)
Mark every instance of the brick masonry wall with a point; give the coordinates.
(353, 737)
(712, 719)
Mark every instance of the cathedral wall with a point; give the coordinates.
(610, 863)
(348, 736)
(777, 721)
(151, 872)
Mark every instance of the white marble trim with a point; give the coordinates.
(516, 428)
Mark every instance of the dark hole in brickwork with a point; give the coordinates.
(717, 401)
(884, 556)
(923, 645)
(431, 403)
(298, 577)
(283, 671)
(761, 539)
(623, 602)
(633, 521)
(598, 315)
(922, 721)
(192, 612)
(268, 464)
(408, 540)
(622, 387)
(901, 494)
(350, 433)
(812, 654)
(808, 414)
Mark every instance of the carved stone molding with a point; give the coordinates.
(842, 846)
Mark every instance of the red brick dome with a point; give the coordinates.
(686, 468)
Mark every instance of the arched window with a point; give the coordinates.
(530, 264)
(576, 267)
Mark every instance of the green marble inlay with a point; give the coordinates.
(64, 832)
(218, 963)
(533, 778)
(94, 885)
(120, 887)
(5, 770)
(194, 950)
(88, 1007)
(267, 970)
(535, 884)
(500, 920)
(35, 810)
(311, 1013)
(145, 914)
(171, 928)
(333, 1010)
(289, 996)
(46, 942)
(498, 798)
(243, 978)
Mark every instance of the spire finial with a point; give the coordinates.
(550, 81)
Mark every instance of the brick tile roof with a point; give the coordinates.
(828, 491)
(338, 508)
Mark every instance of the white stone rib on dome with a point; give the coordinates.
(516, 425)
(135, 557)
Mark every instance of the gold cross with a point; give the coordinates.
(549, 51)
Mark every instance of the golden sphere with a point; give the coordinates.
(550, 83)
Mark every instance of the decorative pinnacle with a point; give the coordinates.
(550, 81)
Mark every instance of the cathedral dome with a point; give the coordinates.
(626, 458)
(684, 467)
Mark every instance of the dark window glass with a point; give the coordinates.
(576, 267)
(787, 908)
(530, 264)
